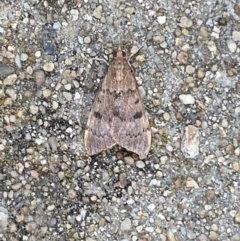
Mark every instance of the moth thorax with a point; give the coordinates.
(119, 75)
(119, 65)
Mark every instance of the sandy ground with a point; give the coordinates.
(187, 69)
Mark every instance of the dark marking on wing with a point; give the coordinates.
(138, 115)
(116, 111)
(97, 115)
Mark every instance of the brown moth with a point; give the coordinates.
(118, 115)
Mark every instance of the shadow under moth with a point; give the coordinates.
(118, 115)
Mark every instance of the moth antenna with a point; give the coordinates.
(137, 50)
(99, 59)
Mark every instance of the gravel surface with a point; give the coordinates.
(187, 69)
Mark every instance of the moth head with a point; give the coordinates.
(120, 53)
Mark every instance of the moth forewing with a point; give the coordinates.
(118, 115)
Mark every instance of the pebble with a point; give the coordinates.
(5, 70)
(202, 237)
(231, 45)
(178, 41)
(210, 195)
(224, 123)
(149, 229)
(55, 105)
(191, 183)
(182, 57)
(67, 95)
(140, 164)
(185, 22)
(190, 69)
(237, 217)
(80, 39)
(57, 26)
(48, 67)
(90, 239)
(156, 102)
(68, 86)
(97, 13)
(159, 38)
(23, 57)
(164, 45)
(126, 225)
(72, 193)
(237, 110)
(68, 61)
(33, 109)
(16, 186)
(52, 141)
(69, 130)
(87, 40)
(74, 13)
(238, 88)
(237, 11)
(214, 227)
(140, 58)
(34, 174)
(200, 74)
(30, 227)
(11, 93)
(213, 236)
(129, 10)
(40, 77)
(29, 70)
(187, 99)
(10, 80)
(122, 180)
(27, 136)
(151, 207)
(190, 142)
(49, 48)
(235, 237)
(8, 102)
(129, 160)
(191, 235)
(47, 93)
(166, 116)
(204, 32)
(212, 46)
(161, 19)
(3, 219)
(18, 61)
(61, 175)
(52, 222)
(237, 151)
(38, 54)
(236, 35)
(236, 166)
(170, 236)
(51, 207)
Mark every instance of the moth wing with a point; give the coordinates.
(98, 136)
(130, 125)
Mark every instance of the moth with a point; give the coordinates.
(118, 115)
